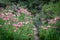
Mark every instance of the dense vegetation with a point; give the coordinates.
(18, 18)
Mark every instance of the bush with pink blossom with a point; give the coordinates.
(17, 26)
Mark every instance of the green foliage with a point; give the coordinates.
(52, 7)
(47, 9)
(5, 1)
(9, 32)
(49, 34)
(21, 18)
(1, 21)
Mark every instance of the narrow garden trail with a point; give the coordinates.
(37, 23)
(35, 33)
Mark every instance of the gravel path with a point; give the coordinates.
(36, 37)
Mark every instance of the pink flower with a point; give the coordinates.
(14, 19)
(19, 11)
(20, 24)
(15, 25)
(22, 10)
(1, 15)
(6, 18)
(10, 14)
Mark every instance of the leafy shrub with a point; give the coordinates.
(16, 26)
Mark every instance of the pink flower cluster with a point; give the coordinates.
(8, 16)
(19, 24)
(53, 21)
(1, 15)
(22, 10)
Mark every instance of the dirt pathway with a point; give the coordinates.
(36, 37)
